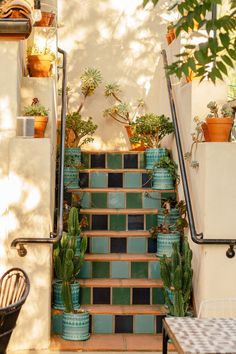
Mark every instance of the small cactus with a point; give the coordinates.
(176, 275)
(66, 264)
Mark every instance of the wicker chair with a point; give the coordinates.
(14, 289)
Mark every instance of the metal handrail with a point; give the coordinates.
(54, 237)
(197, 238)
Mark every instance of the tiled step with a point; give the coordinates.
(120, 242)
(120, 266)
(114, 160)
(98, 211)
(121, 291)
(112, 343)
(121, 319)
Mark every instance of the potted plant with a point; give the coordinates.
(75, 324)
(170, 226)
(217, 128)
(164, 174)
(47, 19)
(170, 35)
(40, 114)
(151, 129)
(123, 112)
(177, 274)
(40, 61)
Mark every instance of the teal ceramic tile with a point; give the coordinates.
(118, 222)
(121, 296)
(132, 180)
(144, 323)
(151, 221)
(57, 323)
(119, 269)
(154, 269)
(85, 296)
(114, 161)
(139, 270)
(136, 245)
(142, 161)
(101, 270)
(85, 200)
(99, 245)
(99, 200)
(168, 195)
(133, 200)
(98, 180)
(151, 200)
(86, 271)
(158, 296)
(102, 324)
(116, 200)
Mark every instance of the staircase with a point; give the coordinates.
(120, 279)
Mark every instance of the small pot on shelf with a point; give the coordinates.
(47, 19)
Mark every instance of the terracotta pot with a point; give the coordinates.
(47, 19)
(40, 65)
(40, 124)
(135, 147)
(217, 129)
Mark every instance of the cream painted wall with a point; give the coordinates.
(121, 39)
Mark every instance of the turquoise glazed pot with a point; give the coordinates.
(162, 179)
(77, 250)
(57, 298)
(75, 326)
(73, 156)
(71, 178)
(165, 242)
(170, 219)
(153, 156)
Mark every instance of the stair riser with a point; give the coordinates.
(121, 296)
(109, 323)
(127, 245)
(120, 222)
(120, 270)
(113, 160)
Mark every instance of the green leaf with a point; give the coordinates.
(225, 40)
(221, 66)
(227, 60)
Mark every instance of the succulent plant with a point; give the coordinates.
(82, 130)
(226, 110)
(212, 105)
(176, 274)
(91, 78)
(35, 109)
(170, 165)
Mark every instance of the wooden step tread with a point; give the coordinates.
(112, 342)
(125, 309)
(121, 257)
(113, 152)
(105, 233)
(125, 190)
(131, 283)
(97, 211)
(112, 170)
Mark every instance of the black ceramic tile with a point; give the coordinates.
(141, 296)
(118, 245)
(99, 222)
(84, 179)
(90, 324)
(88, 245)
(146, 180)
(135, 222)
(131, 161)
(159, 324)
(67, 197)
(98, 161)
(152, 246)
(115, 180)
(123, 324)
(101, 296)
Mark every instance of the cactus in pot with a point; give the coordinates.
(176, 274)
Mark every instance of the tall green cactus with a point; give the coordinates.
(176, 274)
(67, 265)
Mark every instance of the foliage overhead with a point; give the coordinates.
(213, 57)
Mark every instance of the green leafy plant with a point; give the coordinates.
(151, 129)
(226, 110)
(215, 54)
(67, 265)
(121, 111)
(177, 274)
(35, 109)
(169, 164)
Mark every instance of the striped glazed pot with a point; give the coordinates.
(161, 179)
(75, 326)
(165, 242)
(73, 156)
(71, 178)
(153, 155)
(171, 218)
(58, 303)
